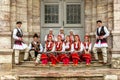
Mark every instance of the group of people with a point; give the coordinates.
(63, 48)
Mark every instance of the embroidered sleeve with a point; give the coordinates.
(82, 47)
(106, 31)
(30, 46)
(90, 46)
(14, 34)
(41, 48)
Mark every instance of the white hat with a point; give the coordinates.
(61, 28)
(71, 30)
(50, 29)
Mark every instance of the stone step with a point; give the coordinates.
(31, 62)
(31, 65)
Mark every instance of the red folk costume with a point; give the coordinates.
(53, 59)
(59, 48)
(87, 48)
(48, 47)
(75, 56)
(66, 59)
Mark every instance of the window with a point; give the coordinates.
(51, 13)
(73, 14)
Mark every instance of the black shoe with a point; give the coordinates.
(25, 60)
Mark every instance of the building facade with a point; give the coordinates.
(38, 16)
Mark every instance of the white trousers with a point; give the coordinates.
(104, 53)
(38, 58)
(17, 55)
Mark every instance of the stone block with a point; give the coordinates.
(5, 42)
(115, 63)
(9, 77)
(5, 59)
(111, 77)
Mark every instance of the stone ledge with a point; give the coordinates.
(115, 51)
(115, 33)
(9, 34)
(5, 33)
(115, 63)
(6, 51)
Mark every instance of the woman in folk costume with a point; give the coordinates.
(61, 33)
(18, 42)
(77, 48)
(71, 36)
(49, 47)
(67, 56)
(50, 34)
(87, 49)
(60, 47)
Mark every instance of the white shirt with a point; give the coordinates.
(15, 32)
(41, 47)
(106, 31)
(53, 49)
(81, 47)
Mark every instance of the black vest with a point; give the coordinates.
(19, 34)
(36, 46)
(102, 33)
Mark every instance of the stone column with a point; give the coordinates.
(116, 33)
(5, 15)
(5, 34)
(36, 16)
(110, 21)
(94, 15)
(30, 17)
(22, 13)
(88, 16)
(102, 11)
(13, 14)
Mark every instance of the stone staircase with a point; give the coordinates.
(28, 71)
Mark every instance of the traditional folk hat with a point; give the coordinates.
(50, 29)
(61, 28)
(35, 35)
(18, 22)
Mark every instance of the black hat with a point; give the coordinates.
(18, 22)
(98, 21)
(35, 35)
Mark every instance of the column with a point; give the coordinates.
(22, 13)
(116, 35)
(5, 15)
(88, 16)
(36, 16)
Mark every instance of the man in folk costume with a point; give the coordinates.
(49, 47)
(71, 36)
(50, 34)
(60, 47)
(61, 33)
(35, 49)
(87, 49)
(101, 41)
(77, 48)
(18, 42)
